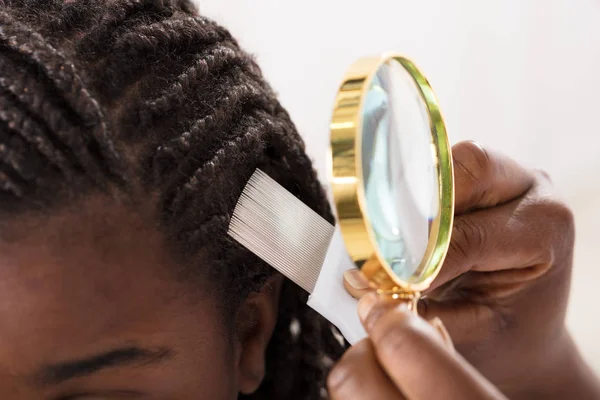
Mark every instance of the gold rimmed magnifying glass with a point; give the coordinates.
(392, 175)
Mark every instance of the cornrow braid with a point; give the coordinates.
(49, 88)
(149, 101)
(225, 113)
(213, 60)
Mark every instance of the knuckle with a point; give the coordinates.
(554, 224)
(563, 215)
(474, 159)
(551, 209)
(377, 312)
(468, 237)
(398, 332)
(480, 156)
(474, 169)
(457, 252)
(562, 224)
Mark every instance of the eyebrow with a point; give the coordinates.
(63, 371)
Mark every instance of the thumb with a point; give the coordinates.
(416, 360)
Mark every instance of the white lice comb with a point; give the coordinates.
(283, 231)
(290, 237)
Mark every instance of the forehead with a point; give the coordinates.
(75, 281)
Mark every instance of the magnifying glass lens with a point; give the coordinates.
(399, 168)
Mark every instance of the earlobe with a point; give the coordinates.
(256, 321)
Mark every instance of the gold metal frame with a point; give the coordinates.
(347, 179)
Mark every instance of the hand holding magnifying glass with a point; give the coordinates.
(404, 358)
(503, 289)
(480, 240)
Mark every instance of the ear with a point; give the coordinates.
(255, 322)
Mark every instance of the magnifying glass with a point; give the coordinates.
(392, 186)
(392, 175)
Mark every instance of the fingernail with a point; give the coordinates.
(439, 326)
(356, 279)
(365, 305)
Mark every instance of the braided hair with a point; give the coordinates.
(145, 100)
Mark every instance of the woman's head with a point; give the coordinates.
(128, 129)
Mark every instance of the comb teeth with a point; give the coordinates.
(281, 230)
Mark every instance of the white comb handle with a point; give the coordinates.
(330, 298)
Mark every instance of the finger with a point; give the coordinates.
(458, 312)
(458, 317)
(358, 376)
(525, 234)
(484, 178)
(415, 357)
(356, 283)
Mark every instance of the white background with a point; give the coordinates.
(519, 76)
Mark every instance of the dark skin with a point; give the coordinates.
(98, 284)
(404, 358)
(91, 309)
(502, 294)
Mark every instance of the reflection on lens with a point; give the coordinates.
(399, 168)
